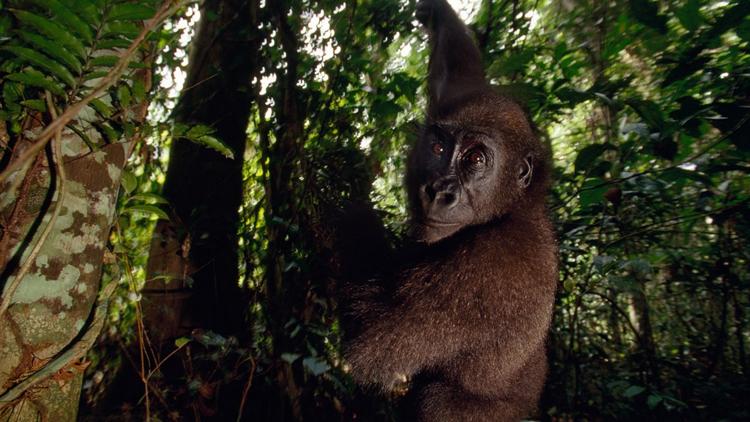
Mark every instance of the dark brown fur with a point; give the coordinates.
(467, 314)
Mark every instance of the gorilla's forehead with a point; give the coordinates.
(490, 111)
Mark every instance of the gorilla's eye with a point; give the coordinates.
(474, 158)
(438, 148)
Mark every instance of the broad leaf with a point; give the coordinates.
(588, 155)
(592, 192)
(147, 209)
(216, 145)
(689, 15)
(128, 181)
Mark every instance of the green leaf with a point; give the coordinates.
(212, 143)
(107, 131)
(139, 90)
(689, 15)
(573, 96)
(569, 284)
(90, 12)
(182, 341)
(53, 49)
(743, 30)
(113, 43)
(105, 61)
(121, 29)
(167, 278)
(290, 357)
(38, 105)
(95, 75)
(67, 17)
(315, 365)
(128, 181)
(385, 109)
(195, 131)
(677, 174)
(42, 61)
(209, 338)
(516, 62)
(5, 25)
(588, 155)
(649, 111)
(12, 95)
(35, 78)
(131, 11)
(653, 401)
(147, 209)
(123, 95)
(157, 199)
(633, 391)
(592, 192)
(101, 107)
(560, 50)
(52, 30)
(647, 13)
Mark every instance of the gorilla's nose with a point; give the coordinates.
(442, 193)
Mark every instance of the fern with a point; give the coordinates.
(63, 47)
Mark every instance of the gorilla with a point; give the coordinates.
(464, 312)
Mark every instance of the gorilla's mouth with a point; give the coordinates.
(431, 231)
(439, 224)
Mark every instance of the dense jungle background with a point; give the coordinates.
(164, 169)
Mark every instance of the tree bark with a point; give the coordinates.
(49, 322)
(282, 170)
(204, 188)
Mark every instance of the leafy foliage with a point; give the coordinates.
(644, 104)
(64, 47)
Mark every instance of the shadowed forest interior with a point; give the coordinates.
(167, 170)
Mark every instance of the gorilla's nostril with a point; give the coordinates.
(446, 199)
(430, 192)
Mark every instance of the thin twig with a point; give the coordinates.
(246, 390)
(161, 362)
(143, 339)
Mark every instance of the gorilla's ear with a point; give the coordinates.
(526, 171)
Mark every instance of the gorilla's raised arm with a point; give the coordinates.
(455, 63)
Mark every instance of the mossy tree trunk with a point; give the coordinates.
(71, 114)
(56, 215)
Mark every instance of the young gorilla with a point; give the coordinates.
(465, 316)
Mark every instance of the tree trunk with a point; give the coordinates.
(282, 170)
(204, 188)
(640, 311)
(50, 323)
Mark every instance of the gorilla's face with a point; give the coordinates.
(464, 172)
